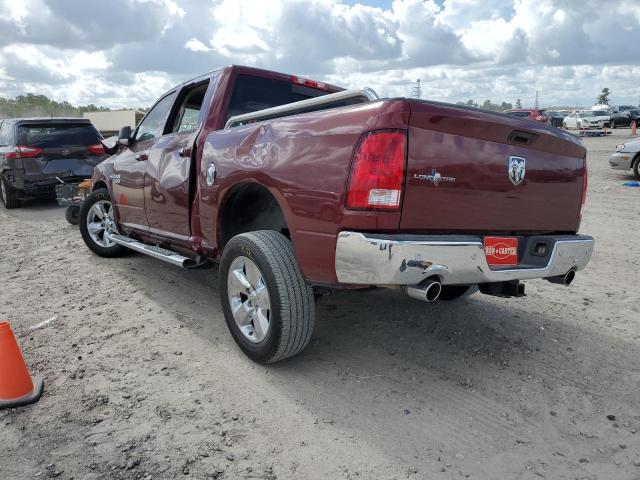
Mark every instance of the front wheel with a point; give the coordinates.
(636, 167)
(267, 304)
(613, 124)
(96, 223)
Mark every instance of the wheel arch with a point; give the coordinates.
(99, 184)
(251, 206)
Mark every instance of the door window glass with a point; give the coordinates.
(188, 115)
(153, 124)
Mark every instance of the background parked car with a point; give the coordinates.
(529, 113)
(36, 153)
(627, 157)
(555, 118)
(586, 119)
(624, 118)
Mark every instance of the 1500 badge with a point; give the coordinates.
(115, 178)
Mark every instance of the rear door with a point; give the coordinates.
(129, 168)
(168, 190)
(63, 149)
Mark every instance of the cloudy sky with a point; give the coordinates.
(126, 52)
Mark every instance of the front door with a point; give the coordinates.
(129, 168)
(168, 192)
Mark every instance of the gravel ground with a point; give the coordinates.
(144, 381)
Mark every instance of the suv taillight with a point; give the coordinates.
(377, 172)
(97, 149)
(20, 151)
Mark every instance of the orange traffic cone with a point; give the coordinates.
(16, 385)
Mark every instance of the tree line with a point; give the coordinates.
(31, 105)
(489, 105)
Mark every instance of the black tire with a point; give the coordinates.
(636, 167)
(612, 124)
(72, 214)
(564, 125)
(112, 251)
(456, 292)
(292, 308)
(8, 195)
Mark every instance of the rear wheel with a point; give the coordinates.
(612, 123)
(8, 195)
(96, 223)
(636, 167)
(268, 306)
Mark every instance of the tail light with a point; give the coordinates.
(97, 149)
(20, 151)
(541, 118)
(309, 83)
(377, 172)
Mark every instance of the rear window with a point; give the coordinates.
(256, 93)
(57, 135)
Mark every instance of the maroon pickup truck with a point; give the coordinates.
(295, 186)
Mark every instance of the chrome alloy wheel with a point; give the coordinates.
(100, 223)
(249, 299)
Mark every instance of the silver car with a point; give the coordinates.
(627, 157)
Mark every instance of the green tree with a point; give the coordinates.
(603, 98)
(31, 105)
(518, 103)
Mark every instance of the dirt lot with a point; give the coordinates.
(143, 380)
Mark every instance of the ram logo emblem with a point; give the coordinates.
(516, 169)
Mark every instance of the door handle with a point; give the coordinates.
(185, 152)
(141, 157)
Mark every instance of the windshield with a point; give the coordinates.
(57, 135)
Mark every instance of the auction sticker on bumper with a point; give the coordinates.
(501, 251)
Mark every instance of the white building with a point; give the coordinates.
(109, 123)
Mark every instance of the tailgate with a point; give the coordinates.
(475, 171)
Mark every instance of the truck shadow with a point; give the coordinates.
(473, 377)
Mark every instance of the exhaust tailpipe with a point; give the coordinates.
(428, 291)
(565, 279)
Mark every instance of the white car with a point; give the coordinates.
(627, 157)
(586, 119)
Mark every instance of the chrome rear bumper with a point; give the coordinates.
(369, 259)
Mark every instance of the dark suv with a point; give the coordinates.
(38, 153)
(624, 116)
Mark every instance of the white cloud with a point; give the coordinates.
(126, 52)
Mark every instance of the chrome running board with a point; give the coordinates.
(160, 253)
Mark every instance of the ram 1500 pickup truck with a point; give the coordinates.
(295, 186)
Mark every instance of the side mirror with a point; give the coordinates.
(124, 136)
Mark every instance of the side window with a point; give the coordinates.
(188, 114)
(5, 134)
(153, 124)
